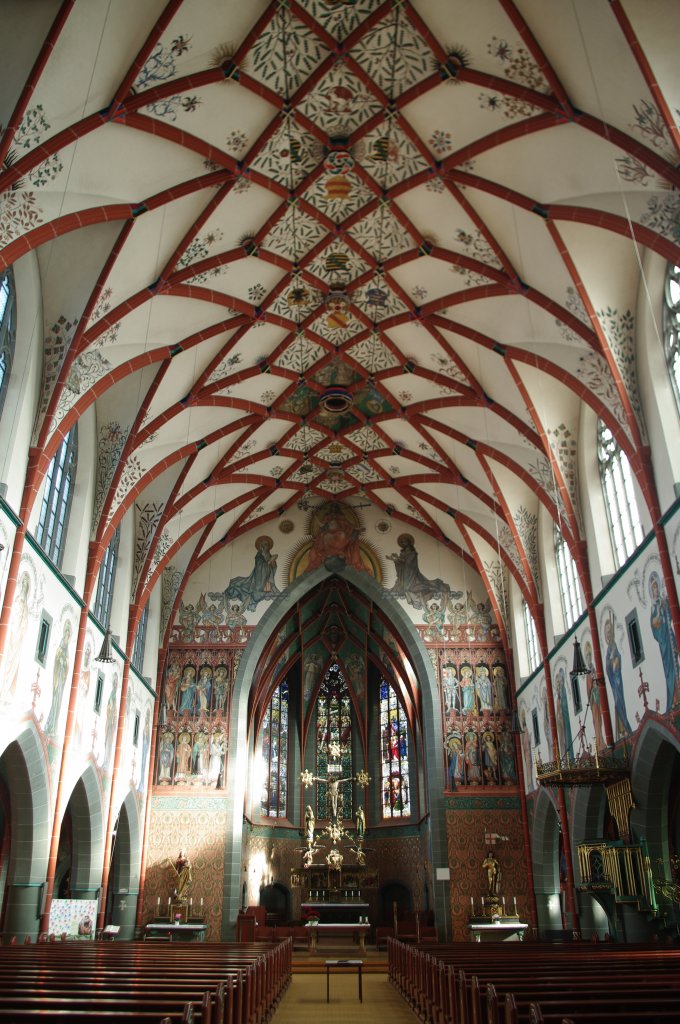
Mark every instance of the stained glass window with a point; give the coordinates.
(619, 496)
(56, 501)
(570, 588)
(8, 327)
(671, 323)
(106, 579)
(334, 726)
(396, 800)
(275, 755)
(531, 637)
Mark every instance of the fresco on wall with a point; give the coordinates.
(478, 743)
(248, 591)
(664, 634)
(336, 532)
(613, 670)
(194, 716)
(411, 584)
(60, 675)
(28, 601)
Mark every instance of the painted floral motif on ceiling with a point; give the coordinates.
(378, 301)
(574, 305)
(595, 374)
(339, 17)
(170, 583)
(663, 215)
(223, 367)
(161, 65)
(199, 249)
(19, 208)
(132, 473)
(526, 523)
(110, 444)
(337, 262)
(301, 355)
(393, 54)
(563, 444)
(340, 104)
(304, 439)
(497, 576)
(148, 517)
(380, 232)
(449, 367)
(55, 346)
(285, 54)
(294, 234)
(507, 543)
(477, 246)
(389, 156)
(649, 124)
(338, 196)
(86, 370)
(289, 155)
(298, 302)
(619, 327)
(102, 307)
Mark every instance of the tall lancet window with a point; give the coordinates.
(275, 755)
(334, 727)
(396, 800)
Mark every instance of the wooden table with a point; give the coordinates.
(316, 931)
(343, 964)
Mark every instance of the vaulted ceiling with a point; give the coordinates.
(315, 249)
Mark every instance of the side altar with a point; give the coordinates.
(495, 922)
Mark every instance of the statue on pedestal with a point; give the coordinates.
(493, 873)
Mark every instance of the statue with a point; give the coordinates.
(361, 823)
(493, 873)
(182, 869)
(309, 825)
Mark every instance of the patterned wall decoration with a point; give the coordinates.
(193, 734)
(471, 824)
(476, 715)
(174, 825)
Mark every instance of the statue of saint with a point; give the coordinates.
(361, 823)
(493, 873)
(184, 878)
(309, 825)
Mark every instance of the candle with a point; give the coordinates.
(168, 901)
(472, 902)
(191, 901)
(201, 901)
(158, 902)
(504, 901)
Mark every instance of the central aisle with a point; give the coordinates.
(305, 1001)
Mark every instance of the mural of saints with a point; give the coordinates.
(20, 614)
(59, 677)
(612, 663)
(260, 585)
(563, 720)
(411, 584)
(662, 628)
(111, 721)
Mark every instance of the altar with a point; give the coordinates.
(355, 932)
(177, 932)
(483, 930)
(346, 912)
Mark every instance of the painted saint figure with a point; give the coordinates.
(336, 536)
(410, 583)
(14, 647)
(259, 585)
(59, 677)
(662, 628)
(615, 677)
